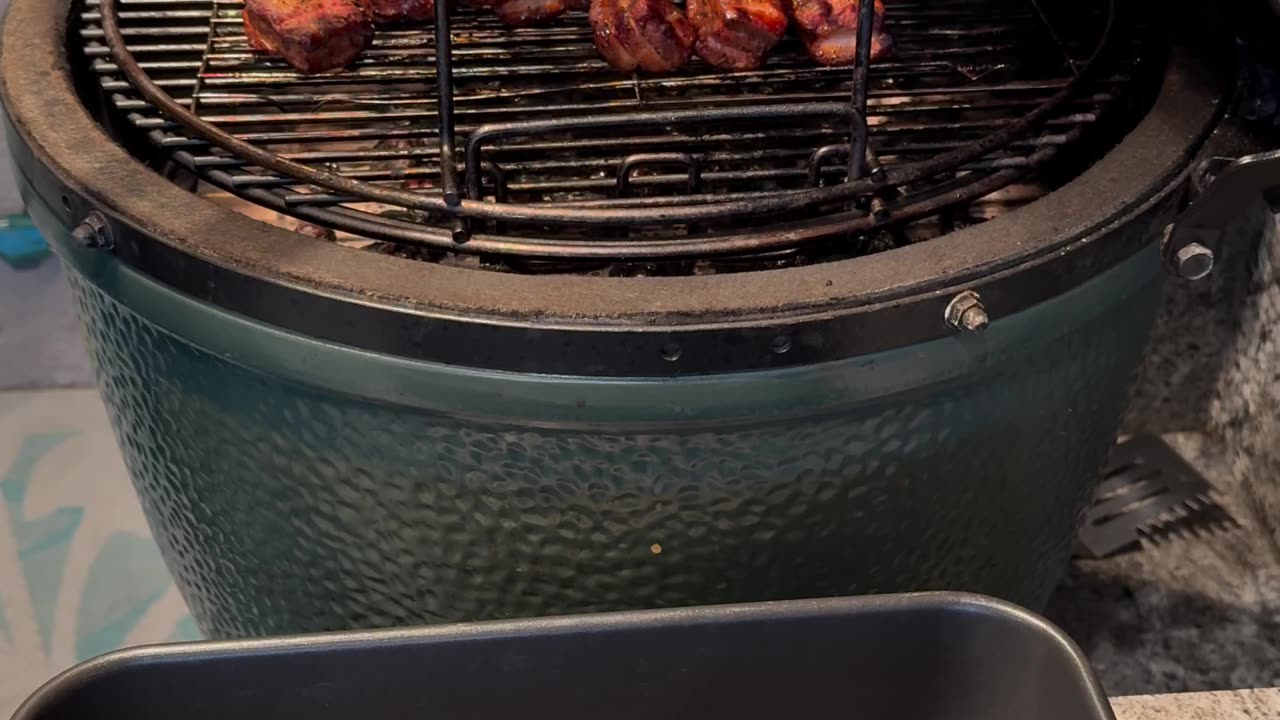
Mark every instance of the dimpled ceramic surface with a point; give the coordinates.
(287, 505)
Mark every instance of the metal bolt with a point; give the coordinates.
(965, 312)
(459, 231)
(94, 232)
(1194, 261)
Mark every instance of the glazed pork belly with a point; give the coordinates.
(313, 36)
(829, 29)
(736, 34)
(526, 13)
(392, 11)
(651, 35)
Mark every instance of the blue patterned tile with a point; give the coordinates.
(79, 573)
(42, 542)
(126, 578)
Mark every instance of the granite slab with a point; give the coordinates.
(1188, 612)
(1224, 705)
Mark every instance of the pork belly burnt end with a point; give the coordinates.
(652, 35)
(829, 29)
(525, 13)
(389, 11)
(736, 34)
(313, 36)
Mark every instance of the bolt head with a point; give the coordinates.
(1194, 261)
(94, 232)
(974, 319)
(965, 312)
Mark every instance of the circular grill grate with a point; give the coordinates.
(561, 158)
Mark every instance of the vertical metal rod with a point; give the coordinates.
(198, 87)
(444, 100)
(1066, 54)
(858, 118)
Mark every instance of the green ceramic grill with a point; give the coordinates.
(496, 331)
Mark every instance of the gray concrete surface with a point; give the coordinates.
(40, 341)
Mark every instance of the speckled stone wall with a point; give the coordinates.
(1214, 363)
(1199, 330)
(1245, 409)
(1198, 610)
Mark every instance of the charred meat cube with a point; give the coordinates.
(313, 36)
(388, 11)
(524, 13)
(652, 35)
(521, 13)
(736, 34)
(829, 29)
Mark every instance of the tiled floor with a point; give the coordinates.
(79, 573)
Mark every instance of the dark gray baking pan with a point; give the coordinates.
(932, 656)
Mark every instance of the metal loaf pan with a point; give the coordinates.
(933, 656)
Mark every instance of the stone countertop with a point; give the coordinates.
(1222, 705)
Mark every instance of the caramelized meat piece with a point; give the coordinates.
(652, 35)
(829, 29)
(736, 34)
(386, 11)
(523, 13)
(311, 35)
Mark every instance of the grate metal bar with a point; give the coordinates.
(957, 98)
(203, 71)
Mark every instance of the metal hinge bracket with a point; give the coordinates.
(1225, 188)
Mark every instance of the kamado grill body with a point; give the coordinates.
(325, 437)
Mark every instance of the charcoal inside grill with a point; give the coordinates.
(963, 69)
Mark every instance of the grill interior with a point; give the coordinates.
(542, 121)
